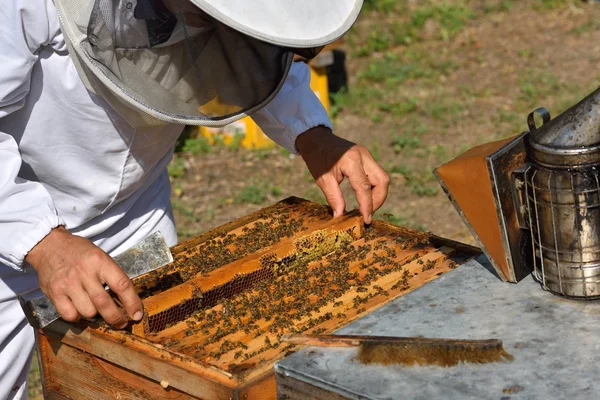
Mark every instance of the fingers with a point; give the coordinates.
(359, 181)
(122, 286)
(81, 299)
(105, 305)
(379, 179)
(72, 272)
(333, 194)
(65, 307)
(368, 180)
(87, 297)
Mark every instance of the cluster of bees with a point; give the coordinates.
(329, 279)
(291, 301)
(301, 292)
(221, 249)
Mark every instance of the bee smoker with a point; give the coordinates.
(538, 200)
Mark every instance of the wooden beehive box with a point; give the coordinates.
(214, 316)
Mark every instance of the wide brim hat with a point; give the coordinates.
(195, 62)
(288, 23)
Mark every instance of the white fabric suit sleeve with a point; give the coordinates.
(294, 110)
(27, 213)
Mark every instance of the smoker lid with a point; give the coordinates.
(570, 140)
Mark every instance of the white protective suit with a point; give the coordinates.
(67, 158)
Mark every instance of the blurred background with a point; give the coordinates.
(417, 82)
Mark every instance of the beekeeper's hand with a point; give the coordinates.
(330, 158)
(72, 272)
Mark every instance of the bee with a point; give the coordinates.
(429, 265)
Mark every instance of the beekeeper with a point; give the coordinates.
(93, 95)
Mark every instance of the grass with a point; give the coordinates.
(451, 17)
(548, 5)
(525, 53)
(376, 93)
(447, 19)
(537, 84)
(384, 6)
(444, 109)
(34, 387)
(376, 41)
(253, 194)
(396, 68)
(236, 141)
(376, 150)
(192, 142)
(257, 193)
(404, 142)
(358, 101)
(421, 182)
(198, 145)
(590, 26)
(497, 6)
(315, 194)
(262, 154)
(540, 88)
(509, 123)
(399, 220)
(176, 167)
(187, 212)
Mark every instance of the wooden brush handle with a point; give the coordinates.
(357, 340)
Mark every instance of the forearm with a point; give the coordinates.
(313, 137)
(27, 213)
(295, 110)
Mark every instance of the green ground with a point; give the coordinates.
(428, 80)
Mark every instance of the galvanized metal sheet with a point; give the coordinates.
(552, 339)
(517, 246)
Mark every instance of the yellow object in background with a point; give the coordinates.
(248, 135)
(320, 85)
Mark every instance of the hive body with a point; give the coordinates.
(215, 315)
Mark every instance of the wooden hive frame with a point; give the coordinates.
(195, 357)
(199, 288)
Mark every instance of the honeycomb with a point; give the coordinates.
(302, 272)
(307, 248)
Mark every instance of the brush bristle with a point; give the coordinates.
(389, 353)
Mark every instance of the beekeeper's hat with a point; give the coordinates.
(195, 62)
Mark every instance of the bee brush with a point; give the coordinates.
(388, 350)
